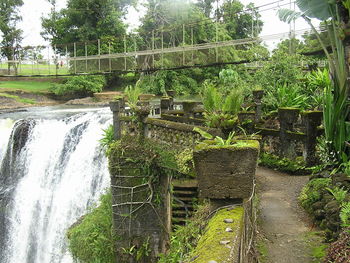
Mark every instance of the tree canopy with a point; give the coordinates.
(11, 35)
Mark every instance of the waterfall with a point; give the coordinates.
(51, 171)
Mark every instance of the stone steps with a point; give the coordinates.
(185, 194)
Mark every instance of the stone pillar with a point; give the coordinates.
(188, 107)
(226, 174)
(287, 117)
(142, 114)
(258, 94)
(165, 104)
(115, 107)
(312, 119)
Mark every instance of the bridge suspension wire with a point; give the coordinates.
(162, 58)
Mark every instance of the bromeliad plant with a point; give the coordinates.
(221, 109)
(335, 104)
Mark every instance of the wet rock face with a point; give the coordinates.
(20, 135)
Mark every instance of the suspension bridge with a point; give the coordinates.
(175, 47)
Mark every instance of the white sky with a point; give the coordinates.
(33, 10)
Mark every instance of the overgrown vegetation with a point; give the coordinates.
(184, 238)
(79, 86)
(297, 166)
(92, 238)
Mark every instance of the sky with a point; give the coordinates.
(33, 10)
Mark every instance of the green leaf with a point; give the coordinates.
(204, 134)
(287, 15)
(320, 9)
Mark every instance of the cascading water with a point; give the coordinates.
(51, 171)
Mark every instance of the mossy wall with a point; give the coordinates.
(226, 172)
(221, 239)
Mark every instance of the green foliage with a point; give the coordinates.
(345, 214)
(184, 161)
(79, 86)
(184, 239)
(285, 95)
(108, 137)
(133, 94)
(311, 192)
(338, 193)
(335, 97)
(181, 81)
(11, 35)
(92, 238)
(221, 109)
(283, 164)
(84, 21)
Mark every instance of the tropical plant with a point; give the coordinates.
(220, 110)
(345, 214)
(338, 193)
(132, 93)
(108, 136)
(285, 95)
(335, 101)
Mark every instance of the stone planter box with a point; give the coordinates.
(226, 172)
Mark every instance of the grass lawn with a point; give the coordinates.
(36, 69)
(30, 86)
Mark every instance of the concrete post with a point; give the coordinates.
(165, 104)
(287, 118)
(312, 120)
(115, 107)
(188, 107)
(258, 94)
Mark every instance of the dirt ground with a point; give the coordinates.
(40, 100)
(45, 100)
(284, 227)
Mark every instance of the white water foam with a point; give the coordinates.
(64, 172)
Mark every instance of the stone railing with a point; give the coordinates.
(160, 130)
(287, 141)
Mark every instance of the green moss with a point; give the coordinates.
(209, 247)
(236, 144)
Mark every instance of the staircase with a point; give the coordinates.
(185, 194)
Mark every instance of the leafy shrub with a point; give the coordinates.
(283, 164)
(92, 238)
(345, 214)
(221, 110)
(108, 136)
(182, 82)
(285, 95)
(133, 94)
(311, 192)
(339, 251)
(79, 86)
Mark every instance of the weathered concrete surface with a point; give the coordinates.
(283, 224)
(226, 172)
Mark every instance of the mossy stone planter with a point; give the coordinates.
(226, 172)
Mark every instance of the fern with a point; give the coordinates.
(345, 214)
(338, 193)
